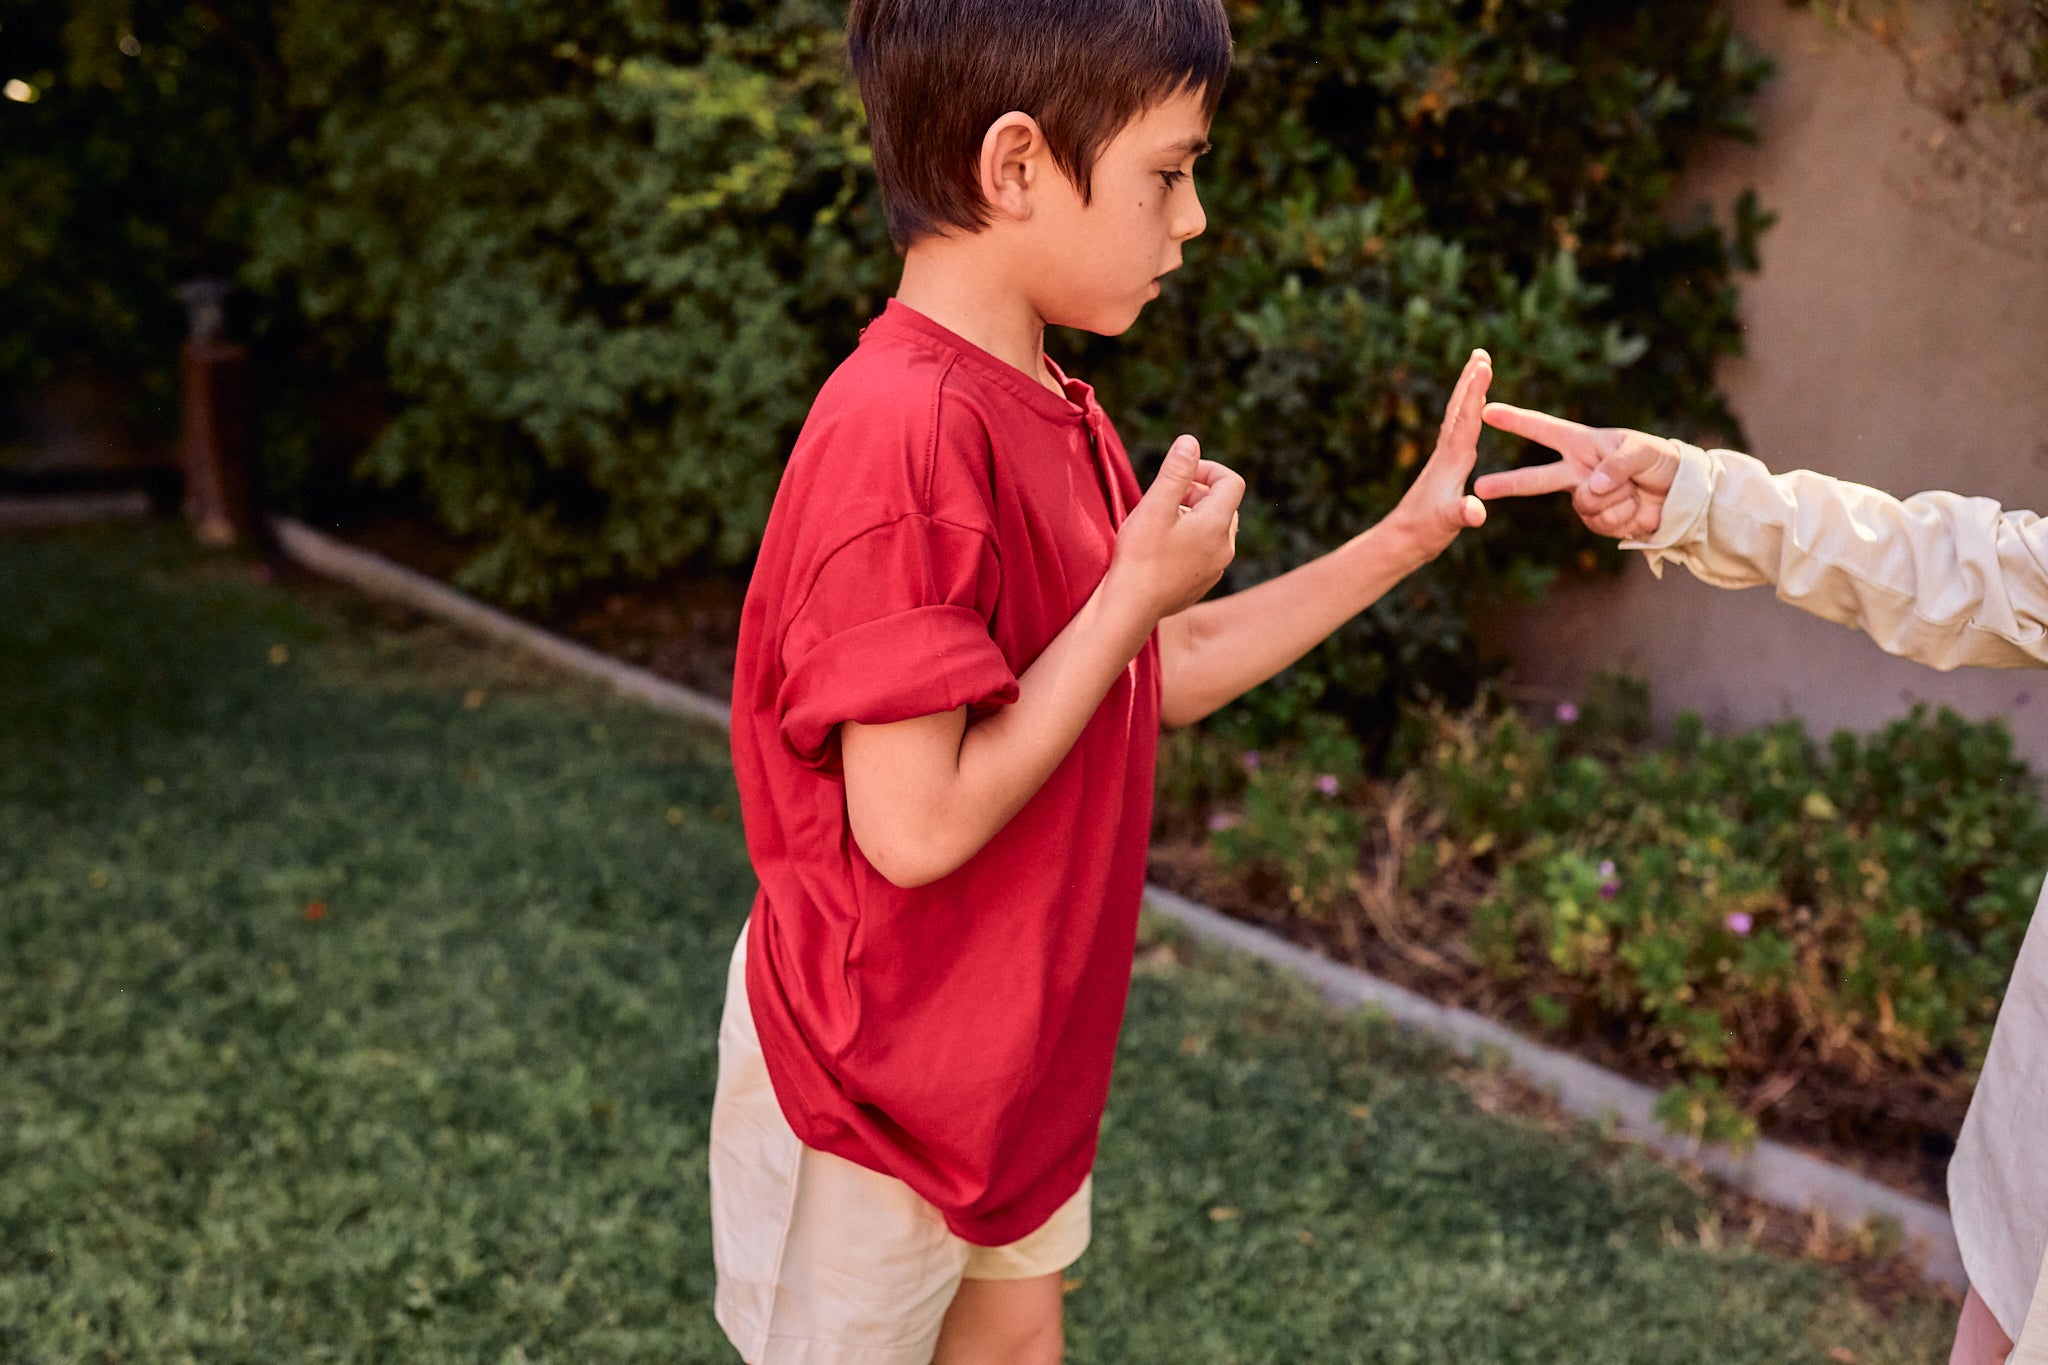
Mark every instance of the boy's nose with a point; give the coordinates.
(1193, 223)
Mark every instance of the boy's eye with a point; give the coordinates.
(1173, 178)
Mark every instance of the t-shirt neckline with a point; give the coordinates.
(1074, 407)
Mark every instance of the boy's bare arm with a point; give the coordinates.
(923, 796)
(1216, 651)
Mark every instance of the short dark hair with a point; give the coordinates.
(934, 74)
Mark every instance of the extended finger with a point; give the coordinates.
(1468, 398)
(1479, 378)
(1566, 438)
(1457, 445)
(1529, 482)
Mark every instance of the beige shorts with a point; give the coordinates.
(822, 1261)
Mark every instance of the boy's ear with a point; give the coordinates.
(1012, 159)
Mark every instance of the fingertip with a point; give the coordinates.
(1600, 482)
(1475, 512)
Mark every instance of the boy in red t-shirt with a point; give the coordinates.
(966, 626)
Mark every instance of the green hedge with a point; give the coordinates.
(1393, 185)
(131, 134)
(605, 254)
(602, 255)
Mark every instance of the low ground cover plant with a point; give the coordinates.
(1743, 914)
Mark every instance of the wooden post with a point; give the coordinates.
(214, 449)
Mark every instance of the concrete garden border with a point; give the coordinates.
(1773, 1172)
(36, 511)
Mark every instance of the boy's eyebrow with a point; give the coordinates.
(1193, 146)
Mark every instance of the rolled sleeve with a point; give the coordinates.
(920, 662)
(895, 626)
(1685, 510)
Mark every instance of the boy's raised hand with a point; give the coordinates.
(1436, 506)
(1618, 478)
(1181, 536)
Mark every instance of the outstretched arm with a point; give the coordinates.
(1943, 579)
(1218, 650)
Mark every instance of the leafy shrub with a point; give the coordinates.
(1394, 184)
(1293, 825)
(606, 252)
(610, 257)
(1750, 895)
(130, 137)
(1739, 912)
(1701, 1107)
(602, 256)
(1997, 58)
(2006, 51)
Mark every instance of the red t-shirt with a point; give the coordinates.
(943, 517)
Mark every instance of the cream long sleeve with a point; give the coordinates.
(1943, 579)
(1949, 581)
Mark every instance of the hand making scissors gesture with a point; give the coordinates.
(1618, 478)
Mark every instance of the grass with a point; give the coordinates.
(358, 989)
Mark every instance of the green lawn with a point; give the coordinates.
(357, 1001)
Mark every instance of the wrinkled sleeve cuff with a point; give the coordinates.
(921, 662)
(1685, 509)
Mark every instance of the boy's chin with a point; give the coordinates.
(1103, 322)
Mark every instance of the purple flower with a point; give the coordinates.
(1739, 923)
(1250, 760)
(1609, 890)
(1328, 785)
(1607, 868)
(1567, 713)
(1223, 820)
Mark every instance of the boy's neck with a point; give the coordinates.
(953, 281)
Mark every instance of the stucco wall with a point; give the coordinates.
(1898, 336)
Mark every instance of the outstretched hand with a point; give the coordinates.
(1618, 478)
(1436, 506)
